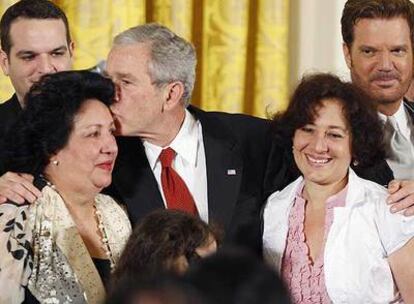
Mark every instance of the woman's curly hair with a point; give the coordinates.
(358, 109)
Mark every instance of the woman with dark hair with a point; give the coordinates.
(330, 232)
(165, 241)
(61, 248)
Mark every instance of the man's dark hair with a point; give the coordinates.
(29, 9)
(358, 109)
(45, 124)
(355, 10)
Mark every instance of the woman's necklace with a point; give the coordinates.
(104, 238)
(101, 226)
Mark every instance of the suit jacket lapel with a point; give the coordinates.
(134, 180)
(410, 107)
(224, 168)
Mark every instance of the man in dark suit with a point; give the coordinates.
(378, 48)
(35, 40)
(221, 157)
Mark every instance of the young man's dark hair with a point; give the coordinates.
(158, 242)
(355, 10)
(29, 9)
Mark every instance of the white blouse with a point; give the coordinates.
(363, 234)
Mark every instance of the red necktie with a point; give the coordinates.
(175, 190)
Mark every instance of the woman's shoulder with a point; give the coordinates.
(110, 208)
(366, 191)
(105, 198)
(279, 202)
(285, 193)
(374, 189)
(109, 204)
(394, 229)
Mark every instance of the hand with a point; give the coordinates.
(401, 196)
(18, 187)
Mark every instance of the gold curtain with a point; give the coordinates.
(241, 45)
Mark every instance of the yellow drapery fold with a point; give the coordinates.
(271, 58)
(175, 14)
(94, 23)
(241, 45)
(224, 51)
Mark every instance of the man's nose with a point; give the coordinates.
(45, 65)
(118, 92)
(385, 62)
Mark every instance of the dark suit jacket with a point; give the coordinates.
(231, 141)
(9, 111)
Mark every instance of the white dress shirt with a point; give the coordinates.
(189, 162)
(362, 236)
(406, 129)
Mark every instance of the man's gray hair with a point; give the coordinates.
(172, 57)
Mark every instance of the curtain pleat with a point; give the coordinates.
(242, 45)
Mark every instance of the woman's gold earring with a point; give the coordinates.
(55, 162)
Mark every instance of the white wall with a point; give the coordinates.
(316, 42)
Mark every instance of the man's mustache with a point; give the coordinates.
(385, 76)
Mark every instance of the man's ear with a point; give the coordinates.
(347, 55)
(174, 92)
(4, 62)
(71, 48)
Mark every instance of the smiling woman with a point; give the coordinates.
(330, 232)
(62, 247)
(322, 148)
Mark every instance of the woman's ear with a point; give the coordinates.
(54, 159)
(354, 159)
(180, 264)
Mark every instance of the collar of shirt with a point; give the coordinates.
(336, 200)
(401, 117)
(184, 144)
